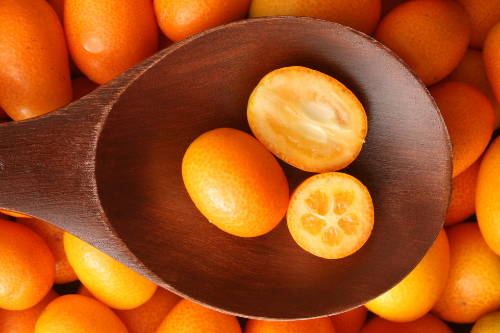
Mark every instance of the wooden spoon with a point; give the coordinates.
(107, 169)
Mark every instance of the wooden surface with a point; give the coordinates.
(107, 168)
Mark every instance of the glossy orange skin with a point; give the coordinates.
(235, 182)
(317, 325)
(107, 37)
(53, 236)
(483, 15)
(34, 67)
(148, 317)
(488, 196)
(350, 321)
(108, 280)
(27, 267)
(431, 36)
(491, 57)
(362, 15)
(78, 314)
(473, 286)
(463, 195)
(13, 214)
(470, 119)
(24, 321)
(471, 70)
(180, 19)
(189, 317)
(426, 324)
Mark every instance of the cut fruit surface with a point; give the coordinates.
(308, 119)
(330, 215)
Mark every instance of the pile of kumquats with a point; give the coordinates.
(54, 52)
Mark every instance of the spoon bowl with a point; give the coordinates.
(107, 168)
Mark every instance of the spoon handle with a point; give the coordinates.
(47, 165)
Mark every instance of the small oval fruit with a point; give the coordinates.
(34, 67)
(107, 37)
(307, 118)
(331, 215)
(235, 182)
(109, 281)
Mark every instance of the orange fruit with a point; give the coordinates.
(34, 67)
(23, 321)
(147, 317)
(491, 57)
(78, 314)
(82, 85)
(425, 324)
(489, 323)
(27, 267)
(307, 118)
(473, 286)
(13, 214)
(350, 321)
(471, 70)
(189, 317)
(483, 15)
(109, 281)
(417, 293)
(53, 236)
(107, 37)
(431, 36)
(488, 196)
(318, 325)
(235, 182)
(362, 15)
(463, 195)
(180, 19)
(3, 115)
(469, 117)
(330, 215)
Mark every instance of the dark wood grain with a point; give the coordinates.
(107, 168)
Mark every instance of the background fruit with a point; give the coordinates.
(318, 325)
(187, 317)
(78, 314)
(427, 323)
(415, 296)
(27, 267)
(483, 15)
(490, 323)
(469, 117)
(431, 36)
(107, 37)
(491, 56)
(53, 236)
(23, 321)
(473, 286)
(34, 67)
(362, 15)
(180, 19)
(147, 317)
(471, 70)
(488, 196)
(463, 195)
(350, 321)
(229, 173)
(109, 281)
